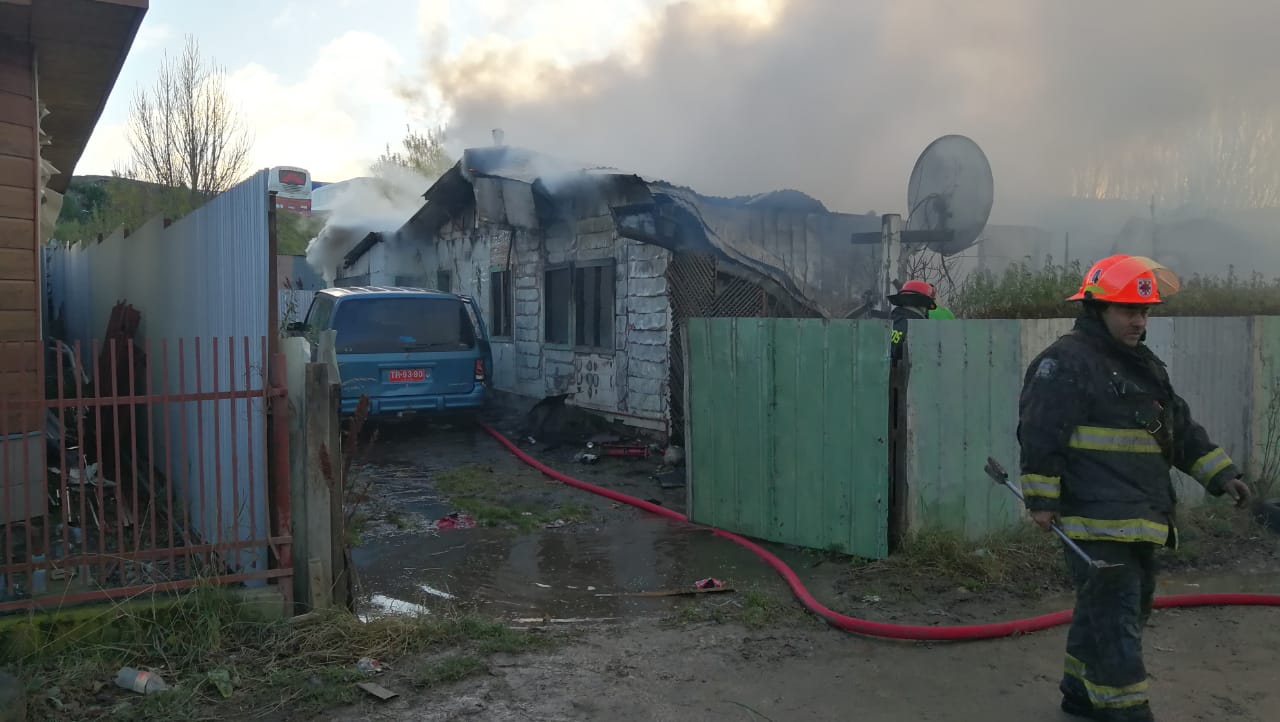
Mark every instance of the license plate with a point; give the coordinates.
(407, 376)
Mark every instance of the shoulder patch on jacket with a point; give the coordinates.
(1046, 369)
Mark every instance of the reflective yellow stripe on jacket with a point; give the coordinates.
(1124, 530)
(1100, 438)
(1210, 465)
(1044, 487)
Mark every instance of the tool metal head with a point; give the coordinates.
(996, 471)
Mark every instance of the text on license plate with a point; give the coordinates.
(406, 376)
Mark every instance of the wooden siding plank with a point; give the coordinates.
(16, 78)
(17, 140)
(17, 264)
(18, 326)
(17, 110)
(723, 387)
(836, 427)
(809, 400)
(17, 233)
(787, 521)
(750, 481)
(796, 454)
(17, 296)
(869, 456)
(17, 172)
(17, 203)
(17, 358)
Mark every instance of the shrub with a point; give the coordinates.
(1022, 291)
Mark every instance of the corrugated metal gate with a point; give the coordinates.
(800, 412)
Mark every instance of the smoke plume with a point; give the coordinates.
(380, 204)
(1093, 99)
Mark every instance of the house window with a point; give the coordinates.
(593, 306)
(557, 293)
(411, 281)
(500, 305)
(444, 281)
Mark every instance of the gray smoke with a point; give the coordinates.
(1094, 99)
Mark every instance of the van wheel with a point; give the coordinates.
(1268, 514)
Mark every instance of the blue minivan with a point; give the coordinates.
(411, 351)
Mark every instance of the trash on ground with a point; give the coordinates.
(670, 592)
(708, 583)
(673, 456)
(136, 680)
(369, 665)
(540, 584)
(558, 523)
(574, 620)
(456, 520)
(221, 679)
(585, 458)
(670, 479)
(377, 690)
(871, 599)
(390, 605)
(435, 592)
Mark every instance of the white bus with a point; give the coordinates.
(292, 187)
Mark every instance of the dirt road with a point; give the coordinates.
(659, 660)
(1205, 665)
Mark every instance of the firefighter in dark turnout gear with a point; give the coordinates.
(915, 300)
(1099, 427)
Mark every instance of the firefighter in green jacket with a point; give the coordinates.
(1100, 426)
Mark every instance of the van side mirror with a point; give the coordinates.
(296, 328)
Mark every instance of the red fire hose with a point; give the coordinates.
(881, 629)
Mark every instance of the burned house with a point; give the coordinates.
(588, 273)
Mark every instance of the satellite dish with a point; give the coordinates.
(949, 196)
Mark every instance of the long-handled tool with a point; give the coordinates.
(1001, 477)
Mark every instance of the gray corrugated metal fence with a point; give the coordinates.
(204, 277)
(966, 377)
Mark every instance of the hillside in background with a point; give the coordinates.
(100, 205)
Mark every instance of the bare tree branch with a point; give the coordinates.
(422, 152)
(183, 131)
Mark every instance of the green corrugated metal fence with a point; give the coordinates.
(786, 423)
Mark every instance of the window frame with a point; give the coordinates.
(610, 340)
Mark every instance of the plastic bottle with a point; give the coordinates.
(136, 680)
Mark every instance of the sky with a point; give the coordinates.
(326, 84)
(1166, 99)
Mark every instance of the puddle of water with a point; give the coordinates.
(581, 571)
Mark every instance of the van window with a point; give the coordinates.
(397, 325)
(319, 313)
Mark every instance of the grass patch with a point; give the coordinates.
(221, 662)
(1215, 534)
(752, 609)
(478, 491)
(1020, 557)
(451, 669)
(1028, 562)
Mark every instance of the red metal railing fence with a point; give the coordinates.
(146, 469)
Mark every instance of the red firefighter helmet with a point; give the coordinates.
(912, 291)
(1131, 280)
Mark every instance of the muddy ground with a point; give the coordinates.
(551, 558)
